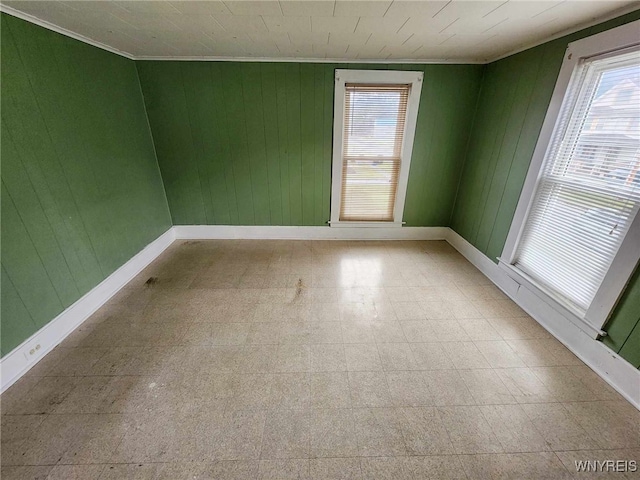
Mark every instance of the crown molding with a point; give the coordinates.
(62, 31)
(466, 61)
(463, 61)
(576, 28)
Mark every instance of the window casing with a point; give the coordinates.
(374, 124)
(575, 238)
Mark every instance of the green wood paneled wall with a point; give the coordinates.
(81, 190)
(623, 328)
(513, 102)
(250, 143)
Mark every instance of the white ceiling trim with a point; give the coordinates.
(314, 60)
(63, 31)
(604, 18)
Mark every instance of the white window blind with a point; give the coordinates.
(374, 127)
(588, 191)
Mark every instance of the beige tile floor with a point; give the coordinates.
(324, 360)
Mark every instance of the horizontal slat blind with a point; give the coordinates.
(374, 127)
(588, 191)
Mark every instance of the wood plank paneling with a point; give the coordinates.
(318, 142)
(307, 142)
(623, 329)
(271, 141)
(17, 323)
(81, 189)
(222, 156)
(283, 135)
(515, 94)
(271, 127)
(294, 149)
(237, 137)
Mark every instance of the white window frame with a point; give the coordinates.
(377, 77)
(628, 255)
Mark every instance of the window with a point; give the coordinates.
(575, 234)
(375, 118)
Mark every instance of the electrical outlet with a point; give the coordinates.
(34, 349)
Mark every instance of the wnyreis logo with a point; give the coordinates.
(606, 466)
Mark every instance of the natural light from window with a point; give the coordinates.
(588, 191)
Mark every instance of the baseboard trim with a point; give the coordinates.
(204, 232)
(20, 360)
(610, 366)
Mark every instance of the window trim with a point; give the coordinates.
(628, 255)
(382, 77)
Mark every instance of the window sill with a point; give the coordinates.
(525, 281)
(340, 224)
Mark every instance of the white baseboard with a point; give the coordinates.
(203, 232)
(28, 353)
(614, 369)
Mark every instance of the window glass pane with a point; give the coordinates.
(589, 189)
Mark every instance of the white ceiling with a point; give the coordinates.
(457, 30)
